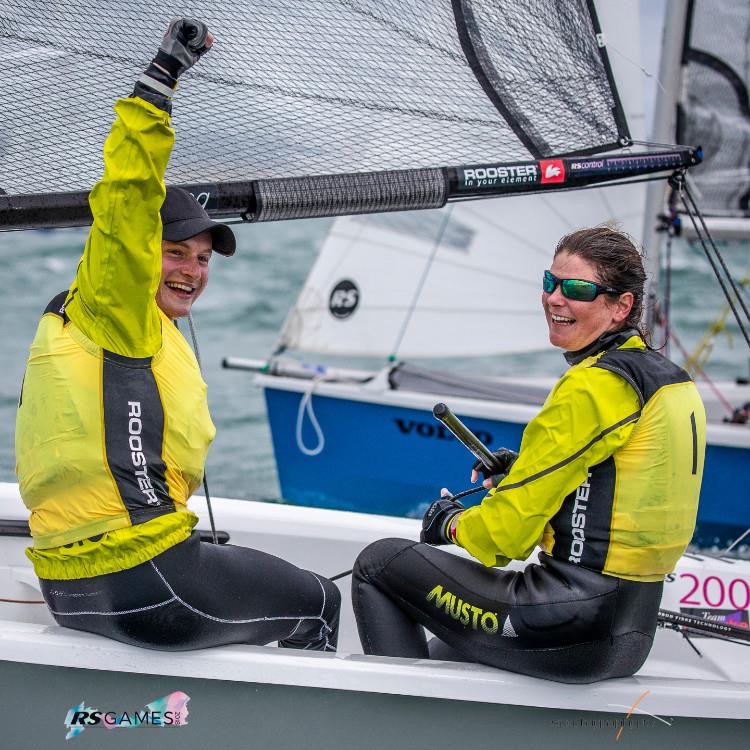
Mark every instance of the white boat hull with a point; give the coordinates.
(332, 696)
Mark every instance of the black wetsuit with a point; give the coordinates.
(554, 620)
(197, 595)
(607, 483)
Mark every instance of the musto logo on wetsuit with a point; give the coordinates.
(464, 612)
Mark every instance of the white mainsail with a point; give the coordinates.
(464, 280)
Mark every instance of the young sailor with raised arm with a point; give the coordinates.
(113, 426)
(606, 483)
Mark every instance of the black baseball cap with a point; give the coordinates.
(182, 217)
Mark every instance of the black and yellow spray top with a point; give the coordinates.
(609, 471)
(113, 426)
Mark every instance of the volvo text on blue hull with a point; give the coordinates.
(387, 459)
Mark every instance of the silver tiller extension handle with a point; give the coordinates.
(442, 413)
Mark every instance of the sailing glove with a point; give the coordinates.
(504, 459)
(436, 522)
(182, 46)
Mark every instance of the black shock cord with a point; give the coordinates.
(663, 310)
(678, 181)
(205, 480)
(457, 496)
(735, 287)
(671, 226)
(667, 294)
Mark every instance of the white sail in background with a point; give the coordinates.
(464, 280)
(482, 290)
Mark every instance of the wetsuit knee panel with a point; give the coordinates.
(375, 557)
(637, 607)
(332, 594)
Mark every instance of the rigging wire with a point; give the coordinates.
(205, 479)
(735, 543)
(678, 181)
(671, 224)
(667, 294)
(698, 370)
(687, 630)
(647, 73)
(420, 285)
(457, 496)
(703, 350)
(657, 144)
(730, 277)
(662, 311)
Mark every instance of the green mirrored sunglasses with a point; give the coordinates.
(576, 289)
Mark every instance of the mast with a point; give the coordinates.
(671, 71)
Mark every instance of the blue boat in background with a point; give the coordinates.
(375, 447)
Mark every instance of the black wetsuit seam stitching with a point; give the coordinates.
(117, 612)
(227, 621)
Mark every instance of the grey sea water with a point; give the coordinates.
(241, 312)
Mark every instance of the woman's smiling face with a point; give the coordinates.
(573, 324)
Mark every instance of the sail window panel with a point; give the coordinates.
(715, 111)
(296, 87)
(550, 76)
(724, 183)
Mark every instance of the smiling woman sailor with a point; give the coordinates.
(606, 483)
(113, 425)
